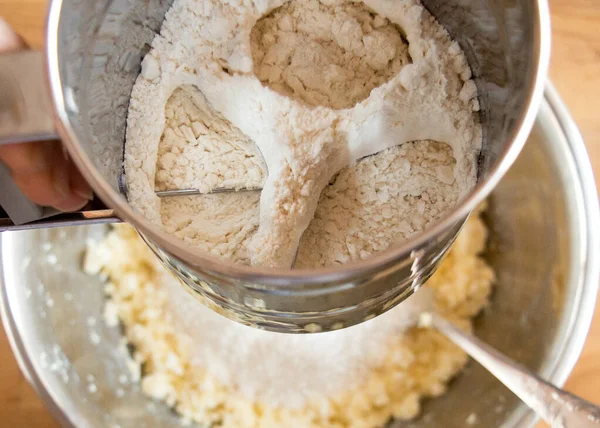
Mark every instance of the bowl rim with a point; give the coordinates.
(556, 370)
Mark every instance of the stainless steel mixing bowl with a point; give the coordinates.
(93, 55)
(544, 247)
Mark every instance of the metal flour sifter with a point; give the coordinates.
(93, 54)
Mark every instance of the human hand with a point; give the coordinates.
(42, 170)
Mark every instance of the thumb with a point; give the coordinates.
(9, 40)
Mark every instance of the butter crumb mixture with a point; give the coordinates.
(214, 371)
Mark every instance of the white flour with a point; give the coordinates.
(326, 54)
(202, 150)
(384, 199)
(311, 58)
(222, 224)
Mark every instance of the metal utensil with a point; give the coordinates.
(194, 192)
(91, 76)
(557, 407)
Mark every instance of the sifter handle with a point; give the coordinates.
(25, 108)
(94, 215)
(25, 115)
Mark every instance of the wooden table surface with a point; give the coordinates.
(575, 71)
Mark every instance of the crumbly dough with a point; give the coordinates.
(311, 111)
(188, 374)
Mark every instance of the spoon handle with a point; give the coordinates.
(557, 407)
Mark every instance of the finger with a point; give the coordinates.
(9, 40)
(77, 183)
(28, 158)
(52, 186)
(44, 174)
(43, 185)
(67, 175)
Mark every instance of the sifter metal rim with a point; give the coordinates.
(297, 279)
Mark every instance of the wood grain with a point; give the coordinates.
(575, 72)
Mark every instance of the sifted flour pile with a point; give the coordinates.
(216, 371)
(315, 86)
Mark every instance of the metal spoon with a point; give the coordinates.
(558, 408)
